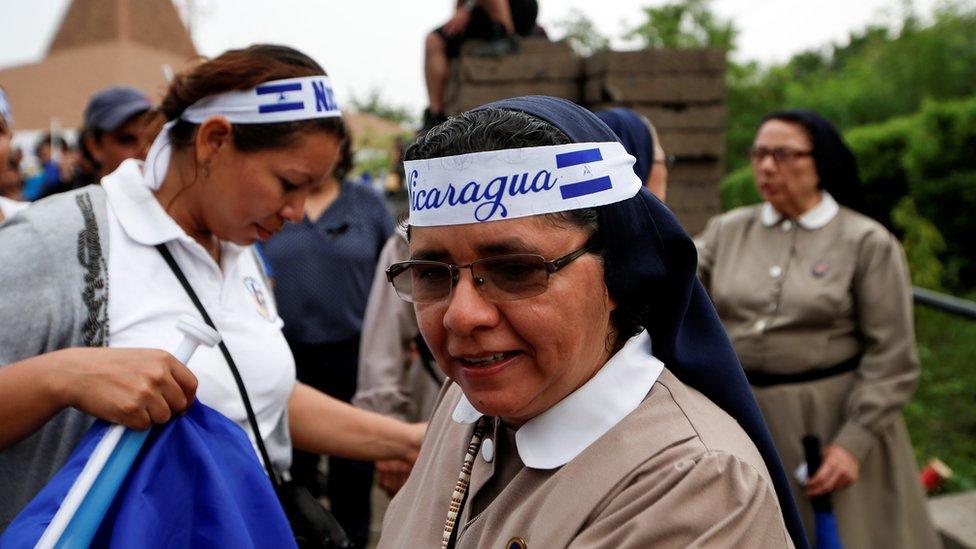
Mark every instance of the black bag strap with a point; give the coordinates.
(251, 419)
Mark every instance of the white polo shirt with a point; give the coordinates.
(146, 299)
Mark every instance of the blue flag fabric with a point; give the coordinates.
(828, 537)
(196, 483)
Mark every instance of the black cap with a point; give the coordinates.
(110, 108)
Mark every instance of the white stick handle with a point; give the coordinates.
(195, 333)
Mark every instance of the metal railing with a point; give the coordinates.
(945, 303)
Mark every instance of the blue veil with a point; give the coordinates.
(635, 135)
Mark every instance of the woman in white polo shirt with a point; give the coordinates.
(247, 133)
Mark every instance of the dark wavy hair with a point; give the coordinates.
(499, 129)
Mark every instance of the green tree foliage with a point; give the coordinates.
(880, 73)
(922, 242)
(684, 24)
(582, 35)
(941, 416)
(375, 103)
(738, 189)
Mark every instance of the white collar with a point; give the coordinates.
(140, 214)
(556, 436)
(815, 218)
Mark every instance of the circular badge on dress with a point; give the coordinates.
(820, 268)
(517, 543)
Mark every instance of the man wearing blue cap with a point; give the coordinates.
(112, 133)
(113, 127)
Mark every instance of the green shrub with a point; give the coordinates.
(738, 189)
(922, 242)
(880, 151)
(880, 72)
(941, 417)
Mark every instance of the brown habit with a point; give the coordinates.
(675, 472)
(798, 296)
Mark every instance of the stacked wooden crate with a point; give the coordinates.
(682, 92)
(540, 68)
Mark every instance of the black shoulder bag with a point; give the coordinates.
(313, 525)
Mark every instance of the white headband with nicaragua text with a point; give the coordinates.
(287, 100)
(512, 183)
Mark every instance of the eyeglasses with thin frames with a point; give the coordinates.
(781, 155)
(499, 278)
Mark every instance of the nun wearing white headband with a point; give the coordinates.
(89, 300)
(594, 400)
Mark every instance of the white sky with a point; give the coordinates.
(367, 44)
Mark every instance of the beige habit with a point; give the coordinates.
(806, 294)
(392, 379)
(677, 471)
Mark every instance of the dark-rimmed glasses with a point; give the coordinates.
(499, 278)
(781, 155)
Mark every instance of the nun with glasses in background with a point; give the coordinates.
(816, 298)
(594, 399)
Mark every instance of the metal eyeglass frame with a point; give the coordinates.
(552, 266)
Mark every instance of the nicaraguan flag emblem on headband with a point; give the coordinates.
(284, 100)
(513, 183)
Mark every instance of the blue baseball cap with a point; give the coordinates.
(110, 108)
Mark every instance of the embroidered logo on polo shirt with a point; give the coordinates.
(256, 289)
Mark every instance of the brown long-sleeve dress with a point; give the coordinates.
(676, 472)
(391, 381)
(807, 294)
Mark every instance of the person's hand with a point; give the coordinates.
(392, 475)
(133, 387)
(838, 469)
(458, 23)
(415, 437)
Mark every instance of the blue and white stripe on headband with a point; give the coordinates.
(5, 110)
(287, 100)
(513, 183)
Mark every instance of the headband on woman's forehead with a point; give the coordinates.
(513, 183)
(287, 100)
(594, 170)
